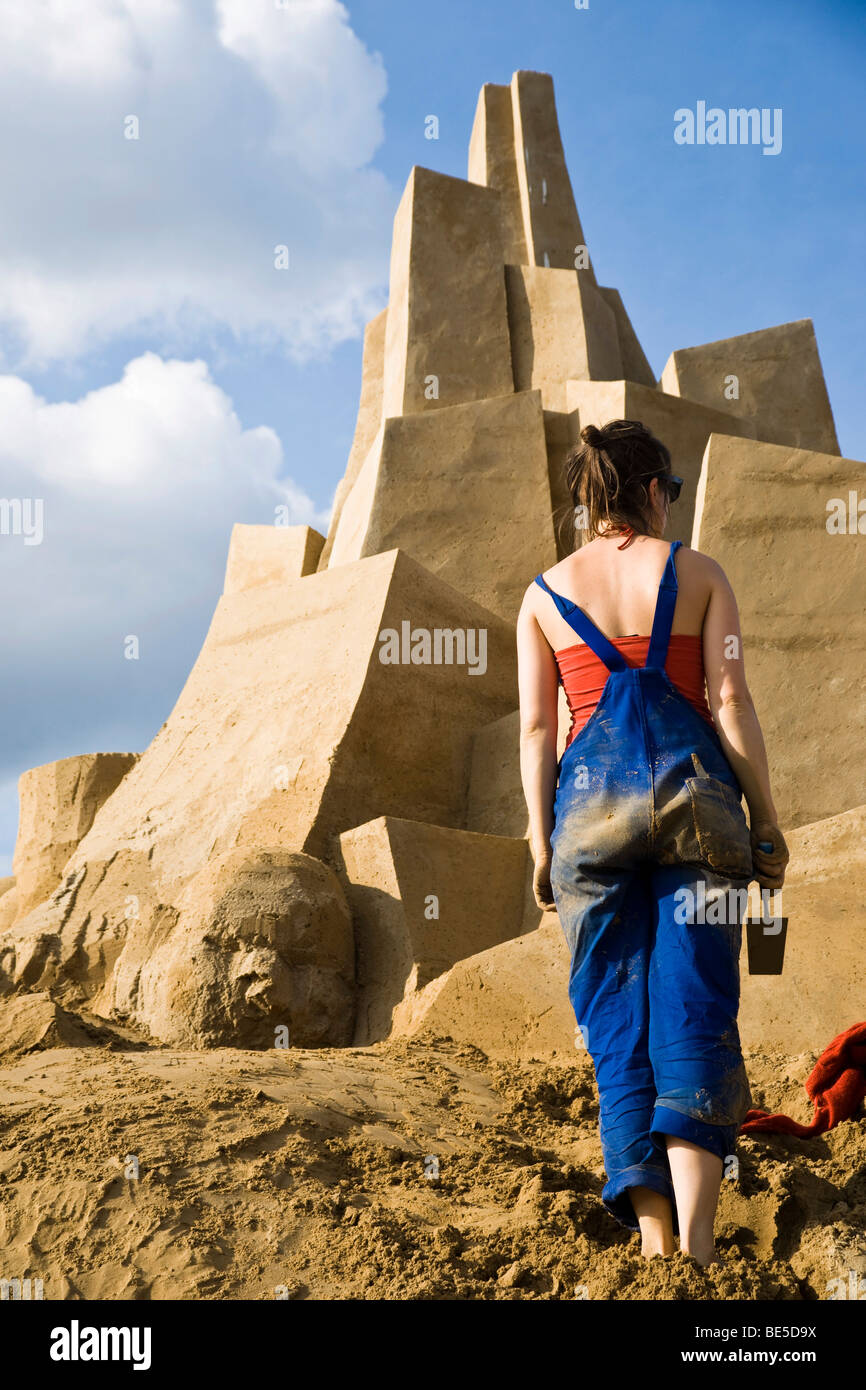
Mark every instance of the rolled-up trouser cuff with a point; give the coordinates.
(718, 1139)
(618, 1202)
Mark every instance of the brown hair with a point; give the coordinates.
(609, 472)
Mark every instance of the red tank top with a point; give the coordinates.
(583, 674)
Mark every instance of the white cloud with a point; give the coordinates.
(256, 124)
(141, 481)
(319, 75)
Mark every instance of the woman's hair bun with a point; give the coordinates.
(607, 472)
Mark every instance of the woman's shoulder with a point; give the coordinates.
(553, 574)
(696, 562)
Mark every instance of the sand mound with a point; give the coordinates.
(406, 1170)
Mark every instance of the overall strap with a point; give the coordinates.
(664, 614)
(586, 629)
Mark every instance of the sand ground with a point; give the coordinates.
(399, 1171)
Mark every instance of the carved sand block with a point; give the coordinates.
(420, 901)
(773, 376)
(771, 516)
(511, 1001)
(561, 328)
(492, 162)
(820, 990)
(446, 335)
(465, 491)
(551, 225)
(270, 555)
(58, 804)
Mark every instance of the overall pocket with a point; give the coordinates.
(720, 825)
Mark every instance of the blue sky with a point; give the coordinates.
(162, 379)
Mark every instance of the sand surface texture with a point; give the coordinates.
(313, 1175)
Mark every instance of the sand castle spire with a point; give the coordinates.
(516, 148)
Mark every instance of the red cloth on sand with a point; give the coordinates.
(836, 1087)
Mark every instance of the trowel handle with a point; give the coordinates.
(766, 846)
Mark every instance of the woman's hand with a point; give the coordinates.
(541, 882)
(768, 866)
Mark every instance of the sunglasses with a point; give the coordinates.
(672, 485)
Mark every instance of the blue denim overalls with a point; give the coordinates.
(650, 869)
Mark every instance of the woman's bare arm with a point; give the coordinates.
(538, 685)
(737, 724)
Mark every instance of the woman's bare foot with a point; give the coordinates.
(699, 1250)
(653, 1212)
(696, 1175)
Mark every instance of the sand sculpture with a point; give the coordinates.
(325, 842)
